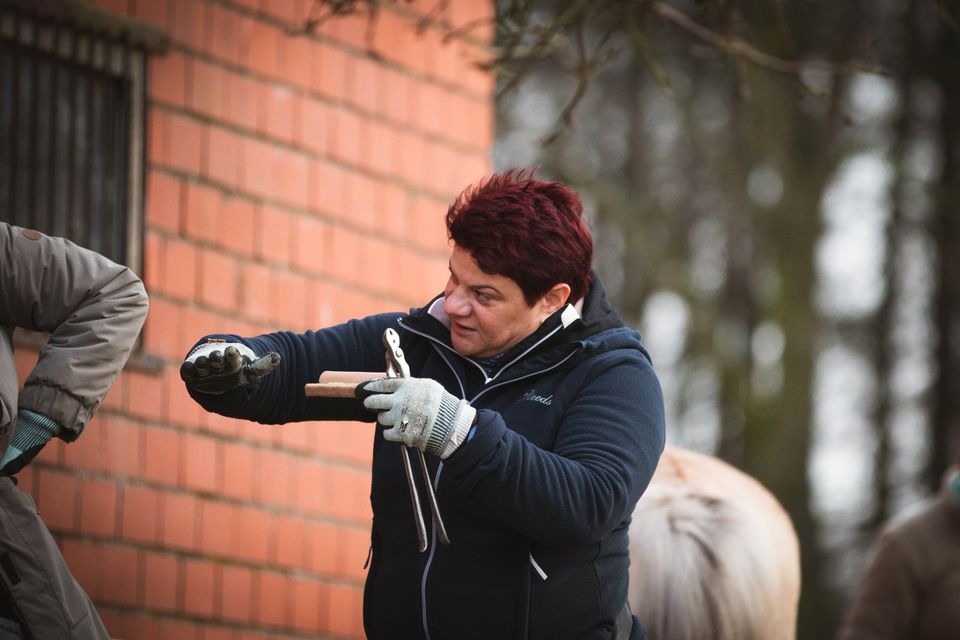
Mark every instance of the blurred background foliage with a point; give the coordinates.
(773, 190)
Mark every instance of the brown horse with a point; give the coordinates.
(713, 555)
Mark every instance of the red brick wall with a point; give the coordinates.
(292, 182)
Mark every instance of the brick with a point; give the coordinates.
(326, 191)
(122, 447)
(188, 23)
(217, 527)
(243, 103)
(381, 151)
(398, 94)
(251, 534)
(391, 37)
(218, 280)
(163, 332)
(202, 211)
(321, 548)
(238, 471)
(116, 397)
(120, 575)
(145, 395)
(87, 451)
(276, 117)
(223, 33)
(309, 604)
(154, 12)
(290, 547)
(180, 270)
(290, 179)
(123, 7)
(314, 125)
(255, 290)
(221, 160)
(412, 152)
(353, 547)
(201, 463)
(236, 594)
(366, 88)
(345, 261)
(346, 137)
(289, 12)
(167, 79)
(432, 105)
(162, 455)
(181, 409)
(140, 513)
(98, 507)
(179, 523)
(83, 560)
(276, 228)
(310, 479)
(161, 581)
(198, 589)
(330, 72)
(52, 453)
(207, 88)
(257, 167)
(297, 51)
(237, 216)
(272, 599)
(345, 609)
(221, 633)
(350, 29)
(263, 49)
(288, 300)
(158, 136)
(299, 436)
(319, 314)
(338, 493)
(360, 190)
(186, 142)
(163, 202)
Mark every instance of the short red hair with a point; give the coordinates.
(528, 230)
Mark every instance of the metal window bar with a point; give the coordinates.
(71, 133)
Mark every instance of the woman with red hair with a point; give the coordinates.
(539, 413)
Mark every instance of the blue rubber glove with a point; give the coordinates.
(32, 432)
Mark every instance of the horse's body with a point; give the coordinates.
(713, 555)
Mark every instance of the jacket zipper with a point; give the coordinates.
(436, 479)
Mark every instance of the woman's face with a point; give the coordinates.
(488, 313)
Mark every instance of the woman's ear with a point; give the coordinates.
(554, 299)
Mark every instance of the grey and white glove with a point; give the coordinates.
(217, 367)
(419, 413)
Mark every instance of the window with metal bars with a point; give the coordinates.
(72, 126)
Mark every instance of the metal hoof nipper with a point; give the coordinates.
(397, 367)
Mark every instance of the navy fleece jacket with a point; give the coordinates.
(537, 503)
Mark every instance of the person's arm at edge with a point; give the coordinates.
(93, 309)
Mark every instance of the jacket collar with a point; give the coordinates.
(559, 334)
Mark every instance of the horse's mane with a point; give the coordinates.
(711, 559)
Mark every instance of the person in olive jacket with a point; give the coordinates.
(93, 310)
(911, 587)
(539, 411)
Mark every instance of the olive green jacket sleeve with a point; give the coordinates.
(93, 310)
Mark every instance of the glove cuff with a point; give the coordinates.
(454, 418)
(33, 429)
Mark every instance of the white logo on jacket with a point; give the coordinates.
(533, 396)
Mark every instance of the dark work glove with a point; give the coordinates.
(218, 367)
(32, 432)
